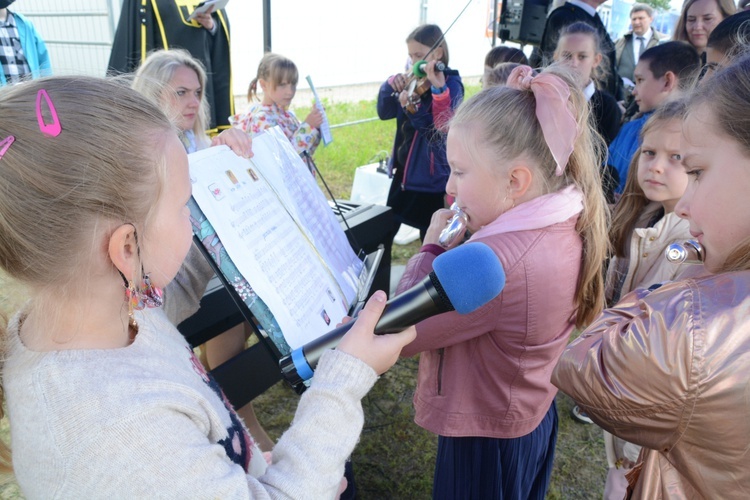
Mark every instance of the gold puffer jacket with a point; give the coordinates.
(670, 370)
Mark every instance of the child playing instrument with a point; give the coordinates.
(524, 172)
(579, 47)
(643, 226)
(175, 81)
(104, 396)
(418, 164)
(278, 77)
(668, 368)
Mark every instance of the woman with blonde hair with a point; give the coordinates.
(175, 81)
(698, 19)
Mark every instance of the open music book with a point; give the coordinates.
(272, 233)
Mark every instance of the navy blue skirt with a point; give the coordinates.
(491, 468)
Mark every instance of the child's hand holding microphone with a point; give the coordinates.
(380, 352)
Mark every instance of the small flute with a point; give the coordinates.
(688, 252)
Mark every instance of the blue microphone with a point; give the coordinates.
(463, 279)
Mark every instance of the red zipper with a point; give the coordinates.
(408, 160)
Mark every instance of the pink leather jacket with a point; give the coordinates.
(670, 370)
(488, 373)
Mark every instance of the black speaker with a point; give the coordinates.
(522, 21)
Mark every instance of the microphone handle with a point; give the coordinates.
(413, 306)
(409, 308)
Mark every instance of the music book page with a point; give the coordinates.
(276, 226)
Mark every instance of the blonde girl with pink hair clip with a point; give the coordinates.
(104, 396)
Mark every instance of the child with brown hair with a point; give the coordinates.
(418, 164)
(278, 77)
(644, 224)
(579, 48)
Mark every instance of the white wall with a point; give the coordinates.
(337, 42)
(341, 42)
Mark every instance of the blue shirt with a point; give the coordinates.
(623, 148)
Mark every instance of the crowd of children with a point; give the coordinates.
(106, 399)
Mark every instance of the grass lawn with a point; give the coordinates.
(394, 458)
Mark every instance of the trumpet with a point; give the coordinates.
(687, 252)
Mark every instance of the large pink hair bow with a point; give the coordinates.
(557, 121)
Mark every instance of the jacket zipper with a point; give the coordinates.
(408, 160)
(441, 353)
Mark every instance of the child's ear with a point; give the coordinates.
(123, 249)
(670, 81)
(263, 84)
(597, 59)
(520, 181)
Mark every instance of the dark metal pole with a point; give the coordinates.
(266, 26)
(494, 22)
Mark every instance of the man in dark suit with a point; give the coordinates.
(570, 12)
(629, 48)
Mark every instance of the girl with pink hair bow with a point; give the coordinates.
(525, 173)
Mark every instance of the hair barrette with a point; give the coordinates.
(5, 144)
(52, 129)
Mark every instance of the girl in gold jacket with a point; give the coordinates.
(669, 368)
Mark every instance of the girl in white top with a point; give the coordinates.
(105, 398)
(643, 226)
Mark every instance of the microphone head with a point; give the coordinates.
(471, 275)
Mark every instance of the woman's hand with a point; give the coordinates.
(237, 140)
(437, 78)
(439, 222)
(380, 352)
(205, 19)
(315, 118)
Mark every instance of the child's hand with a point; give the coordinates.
(378, 351)
(342, 488)
(438, 222)
(237, 140)
(398, 82)
(403, 98)
(315, 118)
(437, 78)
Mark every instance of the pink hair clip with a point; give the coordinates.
(51, 129)
(5, 144)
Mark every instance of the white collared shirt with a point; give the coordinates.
(636, 43)
(589, 90)
(589, 9)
